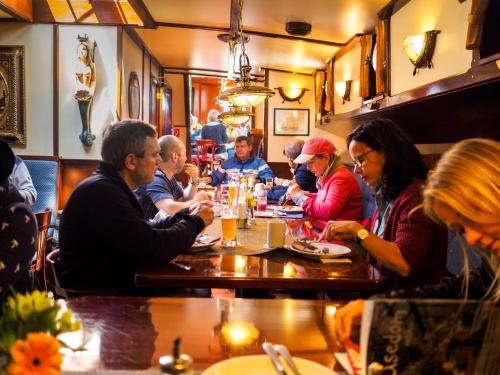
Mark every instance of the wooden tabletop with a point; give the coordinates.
(249, 266)
(133, 332)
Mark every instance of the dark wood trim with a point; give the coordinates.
(476, 76)
(143, 85)
(388, 55)
(143, 13)
(391, 8)
(266, 118)
(249, 32)
(348, 47)
(149, 89)
(119, 62)
(20, 10)
(187, 112)
(197, 74)
(206, 70)
(280, 169)
(288, 71)
(489, 59)
(55, 91)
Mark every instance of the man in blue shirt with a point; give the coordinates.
(301, 175)
(216, 131)
(165, 192)
(242, 162)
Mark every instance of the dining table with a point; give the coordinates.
(251, 265)
(129, 334)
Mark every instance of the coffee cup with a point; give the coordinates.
(276, 233)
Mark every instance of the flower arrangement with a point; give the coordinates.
(29, 326)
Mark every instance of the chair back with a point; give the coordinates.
(43, 221)
(367, 197)
(44, 175)
(205, 149)
(455, 255)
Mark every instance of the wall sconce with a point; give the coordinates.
(291, 94)
(343, 90)
(420, 49)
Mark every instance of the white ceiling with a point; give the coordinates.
(332, 21)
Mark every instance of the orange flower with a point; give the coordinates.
(37, 355)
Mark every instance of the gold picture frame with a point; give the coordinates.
(12, 96)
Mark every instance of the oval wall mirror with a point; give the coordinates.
(134, 96)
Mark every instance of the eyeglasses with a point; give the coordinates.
(360, 161)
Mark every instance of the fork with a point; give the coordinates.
(283, 351)
(273, 355)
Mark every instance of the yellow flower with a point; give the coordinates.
(37, 355)
(24, 306)
(68, 323)
(41, 301)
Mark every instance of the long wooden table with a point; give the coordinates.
(133, 332)
(249, 266)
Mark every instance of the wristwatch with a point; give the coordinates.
(195, 183)
(362, 234)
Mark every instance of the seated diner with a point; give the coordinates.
(408, 247)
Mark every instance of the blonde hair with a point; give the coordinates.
(467, 179)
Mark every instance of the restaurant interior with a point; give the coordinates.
(315, 69)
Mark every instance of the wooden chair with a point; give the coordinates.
(205, 153)
(43, 220)
(53, 278)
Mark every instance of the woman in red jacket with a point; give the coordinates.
(408, 247)
(339, 195)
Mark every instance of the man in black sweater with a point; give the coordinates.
(104, 236)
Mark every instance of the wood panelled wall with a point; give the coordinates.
(205, 92)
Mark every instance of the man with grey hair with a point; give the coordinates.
(302, 176)
(216, 131)
(165, 192)
(104, 236)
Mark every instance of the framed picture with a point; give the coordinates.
(134, 96)
(289, 121)
(12, 102)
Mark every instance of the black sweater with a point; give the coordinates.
(104, 236)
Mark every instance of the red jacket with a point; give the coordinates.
(338, 198)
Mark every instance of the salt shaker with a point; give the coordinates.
(176, 363)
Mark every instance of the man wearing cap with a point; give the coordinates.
(338, 196)
(18, 231)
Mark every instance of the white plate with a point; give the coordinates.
(324, 250)
(261, 365)
(203, 242)
(291, 209)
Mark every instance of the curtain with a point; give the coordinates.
(329, 87)
(320, 82)
(364, 70)
(479, 8)
(382, 63)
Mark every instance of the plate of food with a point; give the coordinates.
(320, 250)
(291, 209)
(203, 242)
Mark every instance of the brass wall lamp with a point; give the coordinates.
(420, 49)
(291, 94)
(343, 90)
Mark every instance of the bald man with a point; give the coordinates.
(165, 192)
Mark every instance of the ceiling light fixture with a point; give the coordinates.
(245, 93)
(420, 49)
(291, 94)
(236, 116)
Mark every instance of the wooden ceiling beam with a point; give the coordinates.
(249, 32)
(143, 13)
(21, 10)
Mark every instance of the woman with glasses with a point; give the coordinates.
(462, 193)
(410, 251)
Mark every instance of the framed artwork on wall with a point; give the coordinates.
(289, 121)
(12, 101)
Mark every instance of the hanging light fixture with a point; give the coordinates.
(245, 93)
(235, 117)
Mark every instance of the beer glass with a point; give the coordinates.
(228, 221)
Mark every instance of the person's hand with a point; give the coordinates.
(341, 230)
(348, 316)
(293, 189)
(201, 196)
(278, 181)
(192, 171)
(206, 180)
(203, 211)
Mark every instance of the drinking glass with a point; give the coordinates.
(269, 182)
(228, 221)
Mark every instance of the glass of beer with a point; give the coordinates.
(228, 221)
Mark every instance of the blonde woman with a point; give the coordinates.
(462, 193)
